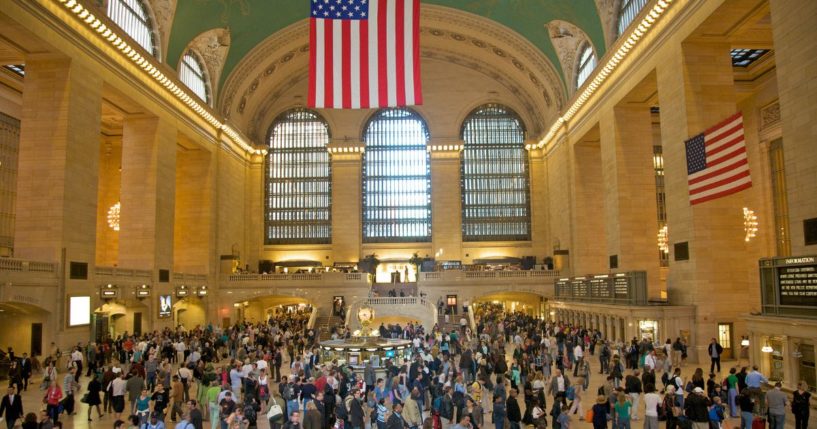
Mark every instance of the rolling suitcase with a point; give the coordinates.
(758, 423)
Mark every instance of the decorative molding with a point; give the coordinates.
(213, 46)
(567, 39)
(164, 11)
(770, 115)
(513, 59)
(608, 11)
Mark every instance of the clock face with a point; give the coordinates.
(365, 314)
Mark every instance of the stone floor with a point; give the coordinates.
(33, 397)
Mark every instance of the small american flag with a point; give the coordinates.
(364, 54)
(716, 161)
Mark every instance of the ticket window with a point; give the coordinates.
(725, 339)
(807, 366)
(648, 330)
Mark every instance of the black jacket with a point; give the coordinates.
(632, 384)
(696, 408)
(395, 422)
(11, 411)
(512, 406)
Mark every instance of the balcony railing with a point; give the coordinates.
(536, 276)
(300, 279)
(7, 264)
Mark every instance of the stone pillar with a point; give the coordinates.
(58, 163)
(795, 58)
(697, 91)
(588, 252)
(538, 204)
(629, 191)
(148, 193)
(446, 201)
(346, 202)
(193, 238)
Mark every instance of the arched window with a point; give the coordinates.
(191, 72)
(629, 10)
(132, 16)
(587, 62)
(494, 176)
(298, 188)
(396, 178)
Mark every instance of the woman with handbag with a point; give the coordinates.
(50, 375)
(275, 413)
(91, 397)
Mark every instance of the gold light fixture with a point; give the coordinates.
(749, 224)
(767, 348)
(113, 216)
(663, 240)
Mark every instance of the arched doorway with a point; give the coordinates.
(119, 317)
(25, 328)
(514, 301)
(189, 312)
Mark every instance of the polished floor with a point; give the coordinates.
(32, 400)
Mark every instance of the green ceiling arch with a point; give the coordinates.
(252, 21)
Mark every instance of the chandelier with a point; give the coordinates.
(663, 239)
(113, 216)
(749, 224)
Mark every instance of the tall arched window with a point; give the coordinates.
(133, 17)
(587, 62)
(396, 178)
(191, 72)
(495, 186)
(629, 10)
(298, 188)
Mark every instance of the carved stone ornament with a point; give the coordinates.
(567, 39)
(164, 11)
(608, 13)
(769, 115)
(213, 46)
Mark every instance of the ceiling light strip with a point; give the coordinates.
(146, 64)
(636, 34)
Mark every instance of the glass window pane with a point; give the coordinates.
(191, 72)
(298, 188)
(629, 10)
(495, 186)
(396, 179)
(132, 17)
(587, 63)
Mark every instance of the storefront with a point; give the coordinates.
(783, 349)
(648, 330)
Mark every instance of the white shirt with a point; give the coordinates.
(262, 364)
(560, 383)
(651, 401)
(649, 361)
(76, 356)
(578, 352)
(119, 386)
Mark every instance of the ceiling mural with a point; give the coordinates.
(250, 22)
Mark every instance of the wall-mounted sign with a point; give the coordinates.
(789, 282)
(165, 306)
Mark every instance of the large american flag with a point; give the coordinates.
(716, 161)
(364, 53)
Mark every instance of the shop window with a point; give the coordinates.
(776, 371)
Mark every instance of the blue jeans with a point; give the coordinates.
(733, 399)
(622, 423)
(777, 421)
(292, 406)
(746, 418)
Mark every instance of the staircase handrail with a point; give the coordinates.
(312, 318)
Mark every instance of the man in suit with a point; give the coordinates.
(11, 407)
(715, 351)
(25, 367)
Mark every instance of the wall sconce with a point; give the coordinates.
(142, 291)
(749, 224)
(109, 291)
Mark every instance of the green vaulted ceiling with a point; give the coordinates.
(252, 21)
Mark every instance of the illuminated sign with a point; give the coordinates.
(165, 305)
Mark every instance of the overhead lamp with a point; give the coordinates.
(767, 348)
(744, 342)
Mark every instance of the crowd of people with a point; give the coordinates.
(513, 370)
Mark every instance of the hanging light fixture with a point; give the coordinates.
(663, 239)
(767, 348)
(749, 224)
(113, 216)
(744, 342)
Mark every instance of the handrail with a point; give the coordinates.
(312, 318)
(396, 300)
(9, 264)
